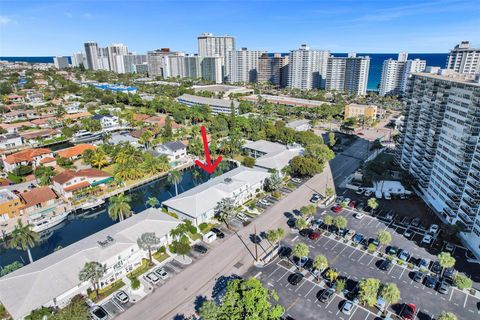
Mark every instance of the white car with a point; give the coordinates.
(315, 198)
(346, 201)
(433, 228)
(387, 196)
(360, 191)
(265, 202)
(427, 239)
(152, 278)
(296, 180)
(242, 217)
(359, 215)
(368, 193)
(161, 273)
(408, 233)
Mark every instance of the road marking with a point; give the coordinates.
(295, 238)
(451, 294)
(259, 273)
(401, 274)
(325, 244)
(273, 272)
(269, 284)
(309, 292)
(373, 258)
(466, 298)
(300, 285)
(288, 271)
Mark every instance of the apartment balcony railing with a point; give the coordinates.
(460, 174)
(473, 194)
(475, 185)
(461, 167)
(452, 205)
(466, 220)
(449, 212)
(470, 202)
(468, 211)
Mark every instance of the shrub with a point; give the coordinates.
(371, 248)
(410, 265)
(171, 248)
(193, 229)
(462, 281)
(39, 314)
(162, 250)
(400, 262)
(135, 283)
(23, 170)
(340, 285)
(203, 227)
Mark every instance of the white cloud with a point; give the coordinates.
(4, 20)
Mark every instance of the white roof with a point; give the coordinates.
(45, 279)
(205, 197)
(297, 123)
(277, 156)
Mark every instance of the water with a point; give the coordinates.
(76, 228)
(376, 62)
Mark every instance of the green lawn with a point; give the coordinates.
(14, 178)
(160, 256)
(105, 292)
(140, 270)
(196, 236)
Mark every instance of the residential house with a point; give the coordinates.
(271, 155)
(107, 122)
(10, 141)
(10, 205)
(56, 275)
(14, 127)
(45, 122)
(124, 137)
(19, 115)
(35, 97)
(299, 125)
(173, 150)
(34, 137)
(28, 157)
(77, 116)
(159, 121)
(76, 151)
(198, 204)
(13, 98)
(38, 200)
(69, 182)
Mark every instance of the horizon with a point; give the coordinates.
(58, 28)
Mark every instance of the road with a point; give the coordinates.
(233, 256)
(349, 160)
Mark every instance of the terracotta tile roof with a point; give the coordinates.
(14, 96)
(47, 160)
(42, 120)
(140, 116)
(77, 186)
(138, 133)
(40, 133)
(70, 174)
(160, 121)
(75, 150)
(37, 196)
(26, 155)
(7, 126)
(77, 115)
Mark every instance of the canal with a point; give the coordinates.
(82, 224)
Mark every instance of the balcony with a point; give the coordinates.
(466, 220)
(472, 203)
(452, 205)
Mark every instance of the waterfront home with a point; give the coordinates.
(10, 141)
(69, 181)
(14, 98)
(299, 125)
(108, 121)
(198, 204)
(14, 127)
(173, 150)
(271, 155)
(124, 137)
(53, 280)
(159, 121)
(38, 200)
(77, 116)
(28, 157)
(10, 205)
(216, 105)
(75, 152)
(34, 137)
(19, 115)
(74, 107)
(46, 122)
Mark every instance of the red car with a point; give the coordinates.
(337, 208)
(352, 204)
(408, 311)
(314, 235)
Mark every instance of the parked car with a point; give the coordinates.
(218, 233)
(337, 208)
(241, 216)
(408, 233)
(449, 247)
(265, 202)
(385, 265)
(375, 241)
(350, 234)
(199, 248)
(443, 287)
(342, 232)
(315, 198)
(358, 238)
(285, 252)
(404, 255)
(346, 201)
(306, 232)
(152, 278)
(317, 223)
(291, 222)
(393, 250)
(295, 278)
(436, 267)
(327, 295)
(314, 235)
(409, 311)
(360, 190)
(424, 263)
(98, 313)
(359, 215)
(427, 239)
(368, 193)
(389, 215)
(302, 261)
(347, 307)
(433, 228)
(161, 273)
(448, 273)
(416, 222)
(352, 204)
(339, 199)
(308, 264)
(360, 206)
(121, 296)
(430, 281)
(296, 180)
(418, 276)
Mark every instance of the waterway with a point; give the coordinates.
(82, 224)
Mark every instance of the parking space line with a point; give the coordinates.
(300, 285)
(451, 294)
(354, 312)
(309, 291)
(273, 272)
(466, 298)
(288, 271)
(294, 238)
(401, 274)
(373, 258)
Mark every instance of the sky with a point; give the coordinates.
(52, 27)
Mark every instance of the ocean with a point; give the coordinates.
(376, 62)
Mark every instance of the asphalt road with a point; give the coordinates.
(349, 160)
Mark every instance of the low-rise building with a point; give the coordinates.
(10, 205)
(10, 141)
(28, 157)
(14, 98)
(34, 137)
(271, 155)
(19, 115)
(353, 110)
(198, 204)
(124, 137)
(284, 100)
(107, 122)
(75, 152)
(55, 276)
(38, 200)
(223, 90)
(69, 182)
(299, 125)
(173, 150)
(216, 105)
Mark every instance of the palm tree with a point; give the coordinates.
(300, 250)
(372, 203)
(224, 210)
(152, 202)
(328, 221)
(147, 241)
(275, 235)
(446, 260)
(92, 271)
(320, 262)
(390, 294)
(119, 207)
(99, 159)
(24, 238)
(175, 177)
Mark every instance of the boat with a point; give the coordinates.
(46, 221)
(83, 136)
(92, 203)
(90, 214)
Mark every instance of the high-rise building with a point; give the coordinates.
(440, 147)
(131, 60)
(395, 73)
(243, 65)
(273, 69)
(211, 69)
(307, 68)
(464, 59)
(166, 63)
(91, 53)
(114, 50)
(193, 66)
(103, 59)
(210, 45)
(78, 58)
(348, 74)
(175, 65)
(156, 63)
(61, 62)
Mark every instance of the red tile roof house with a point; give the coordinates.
(15, 98)
(75, 152)
(19, 115)
(38, 200)
(28, 157)
(33, 137)
(69, 181)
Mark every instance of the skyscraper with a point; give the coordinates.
(440, 147)
(464, 59)
(243, 65)
(210, 46)
(348, 74)
(91, 53)
(166, 63)
(79, 58)
(307, 68)
(273, 69)
(61, 62)
(114, 50)
(395, 73)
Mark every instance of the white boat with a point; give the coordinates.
(47, 221)
(91, 203)
(83, 136)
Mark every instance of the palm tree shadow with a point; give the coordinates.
(199, 300)
(245, 245)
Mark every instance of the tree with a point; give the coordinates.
(332, 275)
(340, 285)
(447, 316)
(167, 129)
(275, 235)
(119, 207)
(301, 223)
(77, 309)
(224, 209)
(98, 159)
(372, 203)
(384, 237)
(273, 182)
(390, 293)
(329, 192)
(319, 152)
(10, 268)
(300, 250)
(147, 242)
(341, 222)
(331, 139)
(328, 221)
(92, 271)
(175, 177)
(308, 210)
(368, 291)
(152, 202)
(248, 162)
(244, 299)
(462, 281)
(446, 260)
(43, 175)
(24, 238)
(302, 166)
(320, 262)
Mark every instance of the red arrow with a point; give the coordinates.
(209, 167)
